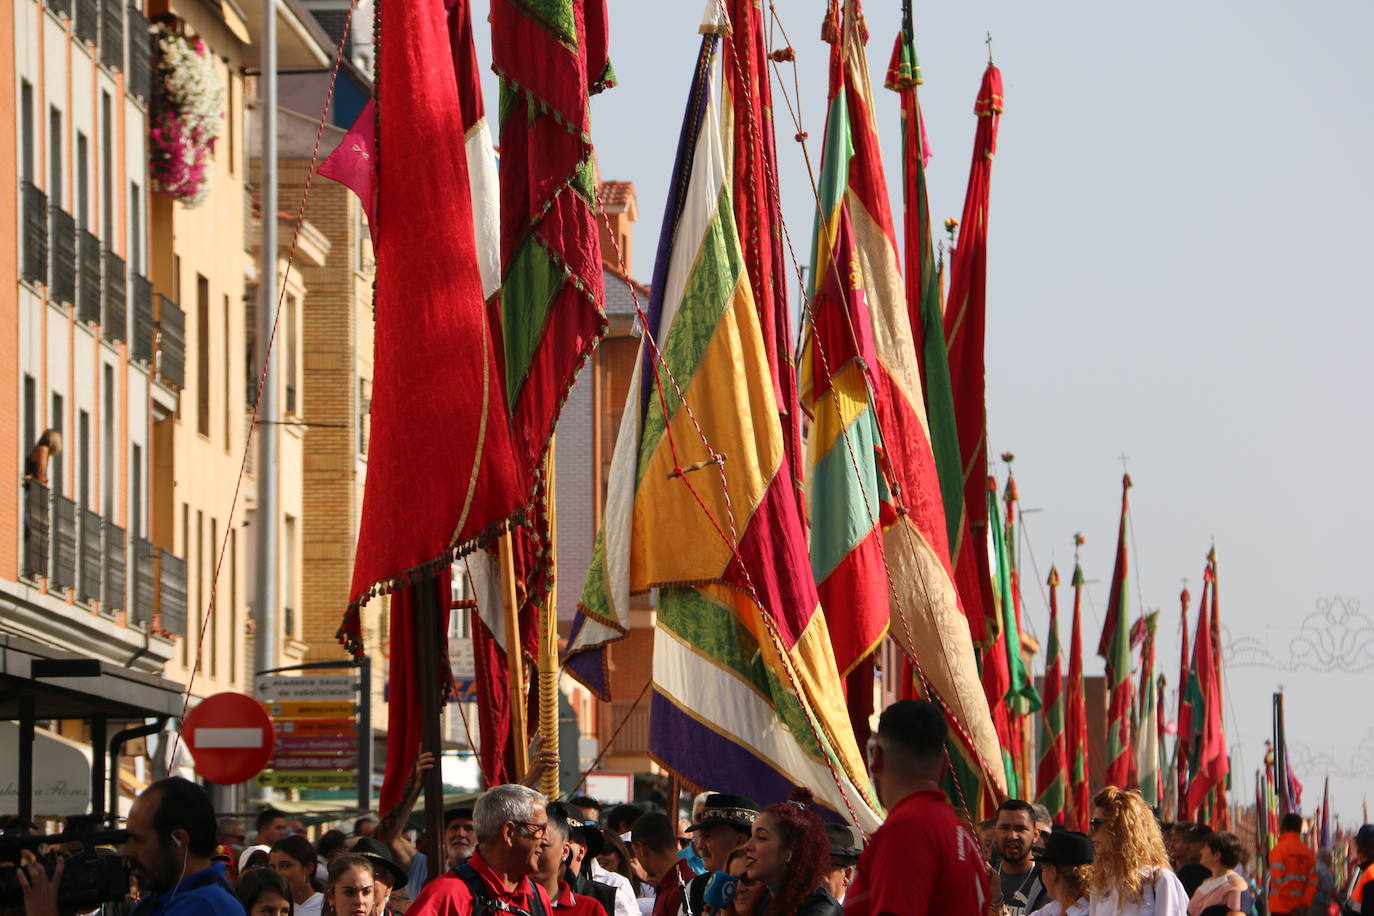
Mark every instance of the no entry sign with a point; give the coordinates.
(230, 738)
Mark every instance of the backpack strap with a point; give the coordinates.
(486, 904)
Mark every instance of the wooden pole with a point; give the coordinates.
(515, 660)
(548, 647)
(430, 623)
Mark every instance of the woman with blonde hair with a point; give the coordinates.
(1131, 875)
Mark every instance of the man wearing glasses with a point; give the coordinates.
(512, 831)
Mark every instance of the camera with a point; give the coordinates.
(90, 877)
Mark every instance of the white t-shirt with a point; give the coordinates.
(1054, 909)
(624, 894)
(1161, 895)
(312, 906)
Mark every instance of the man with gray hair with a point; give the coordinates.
(512, 830)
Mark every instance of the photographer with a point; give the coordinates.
(172, 835)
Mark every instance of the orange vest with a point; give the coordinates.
(1292, 874)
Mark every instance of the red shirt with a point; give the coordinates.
(576, 904)
(668, 900)
(448, 895)
(921, 855)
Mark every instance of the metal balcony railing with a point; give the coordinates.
(140, 52)
(114, 322)
(112, 33)
(63, 543)
(37, 515)
(63, 245)
(60, 6)
(35, 219)
(171, 343)
(92, 557)
(116, 561)
(88, 280)
(170, 604)
(88, 20)
(141, 309)
(141, 582)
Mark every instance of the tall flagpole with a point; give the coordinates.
(548, 644)
(515, 661)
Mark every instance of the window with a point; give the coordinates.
(233, 606)
(135, 229)
(83, 181)
(55, 157)
(26, 130)
(229, 111)
(289, 358)
(30, 414)
(136, 494)
(55, 466)
(107, 170)
(288, 579)
(364, 413)
(202, 355)
(83, 457)
(107, 445)
(225, 377)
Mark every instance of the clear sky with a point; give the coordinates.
(1179, 209)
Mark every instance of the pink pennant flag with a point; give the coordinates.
(353, 164)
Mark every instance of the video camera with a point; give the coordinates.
(90, 877)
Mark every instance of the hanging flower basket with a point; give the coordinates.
(184, 116)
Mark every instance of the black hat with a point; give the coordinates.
(453, 814)
(1364, 837)
(845, 842)
(381, 858)
(589, 835)
(1065, 847)
(736, 810)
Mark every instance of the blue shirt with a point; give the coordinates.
(417, 874)
(692, 858)
(205, 893)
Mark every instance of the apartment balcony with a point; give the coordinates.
(63, 544)
(63, 245)
(91, 573)
(60, 6)
(88, 20)
(141, 582)
(37, 524)
(115, 320)
(115, 563)
(35, 220)
(140, 52)
(112, 34)
(88, 280)
(171, 343)
(141, 305)
(170, 603)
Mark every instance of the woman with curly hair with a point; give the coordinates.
(1131, 875)
(1066, 870)
(788, 853)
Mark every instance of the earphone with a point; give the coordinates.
(176, 840)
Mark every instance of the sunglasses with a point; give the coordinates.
(1096, 823)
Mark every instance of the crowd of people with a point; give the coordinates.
(512, 852)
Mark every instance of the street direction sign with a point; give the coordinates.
(313, 763)
(311, 709)
(334, 728)
(307, 779)
(309, 687)
(290, 745)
